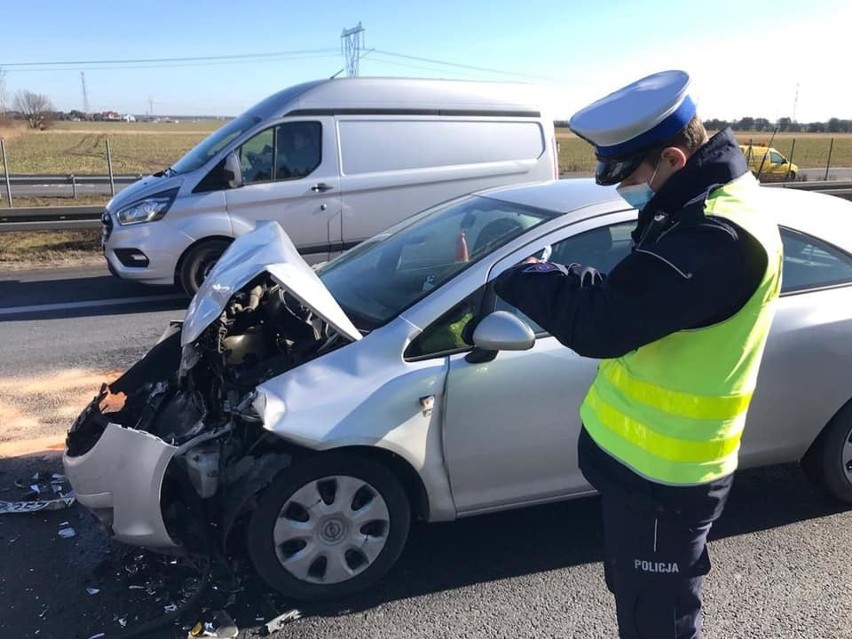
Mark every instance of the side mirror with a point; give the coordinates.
(233, 171)
(503, 331)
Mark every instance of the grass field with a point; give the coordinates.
(145, 147)
(811, 149)
(80, 147)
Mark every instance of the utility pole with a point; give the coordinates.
(85, 93)
(150, 107)
(351, 45)
(795, 102)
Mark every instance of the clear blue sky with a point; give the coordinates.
(746, 56)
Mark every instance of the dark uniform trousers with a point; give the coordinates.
(655, 545)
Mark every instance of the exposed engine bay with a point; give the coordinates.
(196, 400)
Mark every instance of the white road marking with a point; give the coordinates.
(67, 306)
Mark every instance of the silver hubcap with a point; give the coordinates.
(846, 456)
(331, 529)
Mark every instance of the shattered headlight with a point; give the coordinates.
(150, 209)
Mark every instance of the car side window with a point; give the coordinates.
(449, 333)
(603, 248)
(256, 157)
(287, 152)
(298, 150)
(810, 263)
(776, 158)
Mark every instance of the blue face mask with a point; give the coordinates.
(638, 195)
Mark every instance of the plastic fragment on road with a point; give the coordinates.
(23, 507)
(100, 635)
(170, 608)
(67, 533)
(222, 627)
(282, 620)
(93, 591)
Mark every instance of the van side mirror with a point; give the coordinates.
(232, 171)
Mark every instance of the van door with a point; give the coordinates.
(290, 174)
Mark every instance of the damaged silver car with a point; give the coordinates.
(318, 413)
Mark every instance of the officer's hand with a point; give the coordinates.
(588, 275)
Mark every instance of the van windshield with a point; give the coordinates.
(200, 154)
(383, 276)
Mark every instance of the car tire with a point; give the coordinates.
(791, 176)
(197, 262)
(316, 551)
(829, 460)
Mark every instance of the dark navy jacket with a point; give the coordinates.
(685, 270)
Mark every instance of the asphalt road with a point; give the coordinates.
(780, 552)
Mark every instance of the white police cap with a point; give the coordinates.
(628, 123)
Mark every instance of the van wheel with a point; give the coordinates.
(828, 462)
(792, 176)
(328, 527)
(197, 262)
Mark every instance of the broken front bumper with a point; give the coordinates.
(120, 479)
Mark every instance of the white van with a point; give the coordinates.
(334, 162)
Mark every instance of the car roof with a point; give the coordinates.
(827, 217)
(419, 95)
(561, 196)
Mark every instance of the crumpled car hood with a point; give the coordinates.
(266, 249)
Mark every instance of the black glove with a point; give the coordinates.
(588, 275)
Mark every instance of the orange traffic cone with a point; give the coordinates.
(461, 248)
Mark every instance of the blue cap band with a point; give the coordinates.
(668, 127)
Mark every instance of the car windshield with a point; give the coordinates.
(201, 153)
(383, 276)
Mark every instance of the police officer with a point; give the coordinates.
(680, 326)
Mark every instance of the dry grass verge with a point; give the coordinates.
(23, 250)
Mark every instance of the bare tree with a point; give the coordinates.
(36, 109)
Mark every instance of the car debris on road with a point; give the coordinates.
(41, 483)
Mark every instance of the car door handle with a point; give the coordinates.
(322, 187)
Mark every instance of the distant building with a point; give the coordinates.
(129, 118)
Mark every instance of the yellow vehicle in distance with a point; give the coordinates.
(768, 163)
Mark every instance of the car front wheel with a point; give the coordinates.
(198, 262)
(328, 527)
(829, 461)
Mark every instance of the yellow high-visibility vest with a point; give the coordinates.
(674, 410)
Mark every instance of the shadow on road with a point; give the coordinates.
(76, 292)
(501, 546)
(437, 558)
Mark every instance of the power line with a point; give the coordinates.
(151, 60)
(464, 66)
(420, 67)
(173, 66)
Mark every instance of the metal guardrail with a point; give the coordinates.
(55, 218)
(23, 179)
(50, 218)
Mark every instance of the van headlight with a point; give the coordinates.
(150, 209)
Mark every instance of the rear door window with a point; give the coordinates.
(810, 263)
